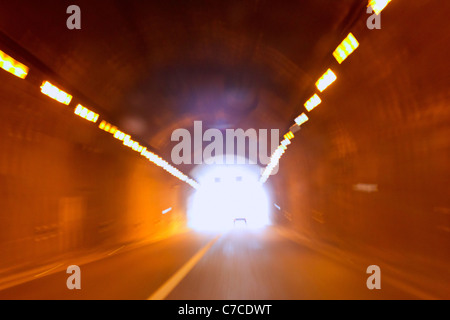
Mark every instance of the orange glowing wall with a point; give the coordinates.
(67, 186)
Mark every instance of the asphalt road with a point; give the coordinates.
(240, 264)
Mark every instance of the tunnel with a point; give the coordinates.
(334, 115)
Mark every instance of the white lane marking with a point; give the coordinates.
(42, 273)
(170, 284)
(111, 253)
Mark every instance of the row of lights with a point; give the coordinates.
(14, 67)
(18, 69)
(150, 156)
(275, 158)
(85, 113)
(345, 49)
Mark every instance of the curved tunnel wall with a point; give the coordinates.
(384, 123)
(370, 170)
(67, 186)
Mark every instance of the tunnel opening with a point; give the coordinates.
(230, 196)
(86, 117)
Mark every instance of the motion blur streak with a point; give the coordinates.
(313, 102)
(53, 92)
(360, 179)
(301, 119)
(86, 113)
(378, 5)
(12, 66)
(326, 80)
(346, 48)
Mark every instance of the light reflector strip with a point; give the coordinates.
(12, 66)
(105, 126)
(119, 135)
(313, 102)
(326, 80)
(86, 113)
(378, 5)
(153, 158)
(346, 48)
(53, 92)
(275, 158)
(301, 119)
(289, 135)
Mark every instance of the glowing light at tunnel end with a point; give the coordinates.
(228, 197)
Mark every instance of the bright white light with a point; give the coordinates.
(227, 195)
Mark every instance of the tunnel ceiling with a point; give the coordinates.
(154, 65)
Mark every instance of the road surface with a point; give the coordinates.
(240, 264)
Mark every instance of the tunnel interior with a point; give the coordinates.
(367, 173)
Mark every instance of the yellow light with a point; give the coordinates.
(301, 119)
(378, 5)
(86, 113)
(53, 92)
(112, 130)
(12, 66)
(313, 102)
(346, 48)
(108, 127)
(340, 54)
(289, 136)
(326, 80)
